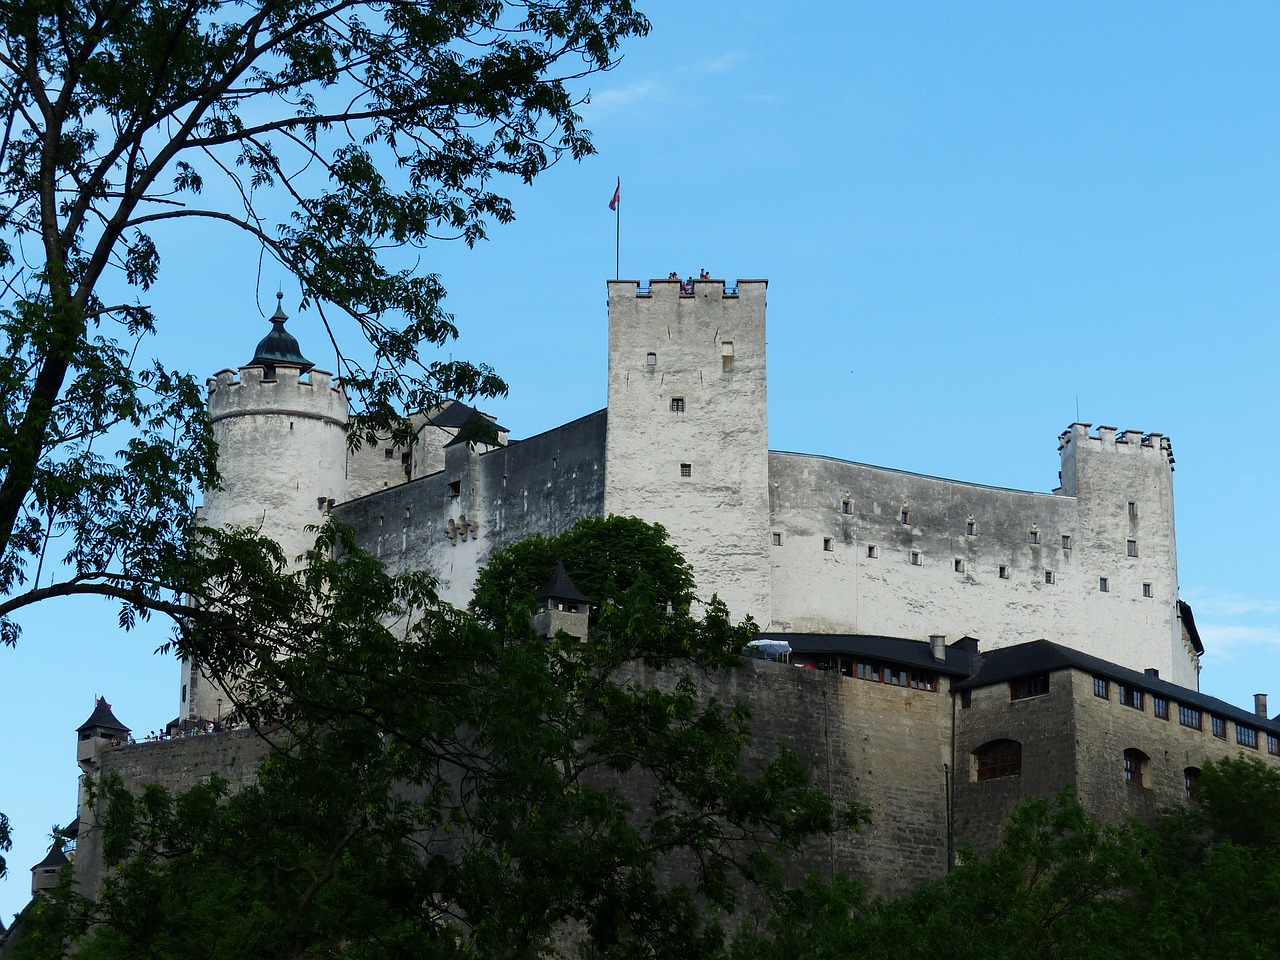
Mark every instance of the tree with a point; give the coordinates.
(447, 788)
(359, 126)
(606, 557)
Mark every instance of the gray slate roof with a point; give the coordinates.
(102, 717)
(1044, 656)
(279, 346)
(560, 587)
(907, 653)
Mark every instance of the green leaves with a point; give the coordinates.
(359, 128)
(436, 787)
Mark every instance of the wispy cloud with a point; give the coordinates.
(618, 99)
(1225, 635)
(1233, 606)
(720, 64)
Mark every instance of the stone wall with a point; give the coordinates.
(543, 484)
(688, 428)
(1044, 725)
(863, 549)
(176, 765)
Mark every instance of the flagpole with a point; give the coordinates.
(617, 235)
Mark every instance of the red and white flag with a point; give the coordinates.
(617, 196)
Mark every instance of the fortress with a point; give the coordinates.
(972, 645)
(803, 543)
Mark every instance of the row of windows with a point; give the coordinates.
(1003, 758)
(959, 564)
(971, 525)
(877, 671)
(1191, 717)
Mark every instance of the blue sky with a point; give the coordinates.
(976, 221)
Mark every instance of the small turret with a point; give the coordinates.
(44, 875)
(562, 607)
(96, 734)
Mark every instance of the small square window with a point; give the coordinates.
(387, 453)
(1133, 510)
(970, 528)
(1049, 577)
(1147, 591)
(1033, 536)
(650, 359)
(777, 539)
(905, 515)
(872, 551)
(1101, 688)
(677, 404)
(846, 506)
(1131, 547)
(686, 469)
(958, 565)
(1066, 541)
(1104, 585)
(1004, 572)
(828, 544)
(455, 488)
(916, 559)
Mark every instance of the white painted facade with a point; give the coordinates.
(801, 543)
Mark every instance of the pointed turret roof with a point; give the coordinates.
(54, 858)
(279, 347)
(560, 587)
(102, 717)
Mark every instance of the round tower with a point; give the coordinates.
(280, 425)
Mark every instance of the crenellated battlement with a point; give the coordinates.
(673, 288)
(256, 389)
(1113, 440)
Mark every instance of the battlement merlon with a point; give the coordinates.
(250, 390)
(1112, 439)
(672, 288)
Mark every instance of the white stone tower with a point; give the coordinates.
(688, 434)
(280, 425)
(1123, 483)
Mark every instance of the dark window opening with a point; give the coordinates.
(998, 758)
(1137, 768)
(1024, 687)
(1190, 717)
(1130, 697)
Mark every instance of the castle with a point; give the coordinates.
(802, 543)
(971, 645)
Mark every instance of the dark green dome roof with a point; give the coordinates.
(279, 347)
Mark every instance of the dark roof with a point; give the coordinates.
(1189, 623)
(279, 346)
(1044, 656)
(560, 587)
(458, 414)
(54, 858)
(102, 717)
(71, 830)
(908, 653)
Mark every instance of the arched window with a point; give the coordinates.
(997, 758)
(1191, 784)
(1137, 768)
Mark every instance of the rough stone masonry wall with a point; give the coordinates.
(176, 765)
(1106, 728)
(1044, 725)
(879, 745)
